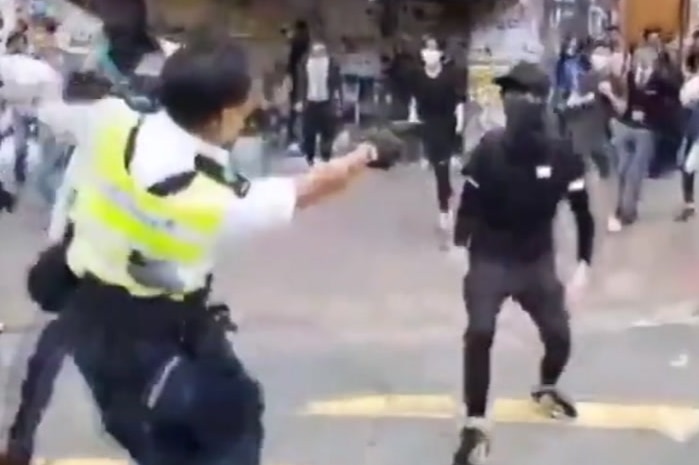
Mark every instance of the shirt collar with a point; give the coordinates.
(180, 138)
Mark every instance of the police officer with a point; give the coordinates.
(514, 182)
(150, 209)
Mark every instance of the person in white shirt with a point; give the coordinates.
(25, 82)
(73, 122)
(319, 90)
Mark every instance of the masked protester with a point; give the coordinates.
(588, 113)
(437, 103)
(514, 182)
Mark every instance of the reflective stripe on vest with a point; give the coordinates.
(115, 220)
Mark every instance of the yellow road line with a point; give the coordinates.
(82, 461)
(678, 423)
(92, 461)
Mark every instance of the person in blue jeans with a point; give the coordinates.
(570, 67)
(632, 139)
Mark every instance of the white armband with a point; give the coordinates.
(577, 185)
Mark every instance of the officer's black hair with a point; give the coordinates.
(202, 78)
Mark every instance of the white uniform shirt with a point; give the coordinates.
(162, 150)
(8, 11)
(317, 69)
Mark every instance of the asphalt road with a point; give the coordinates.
(352, 319)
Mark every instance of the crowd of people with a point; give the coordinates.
(630, 112)
(622, 114)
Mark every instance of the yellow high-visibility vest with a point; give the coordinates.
(123, 231)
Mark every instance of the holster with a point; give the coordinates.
(50, 282)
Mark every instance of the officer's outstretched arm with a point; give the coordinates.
(326, 179)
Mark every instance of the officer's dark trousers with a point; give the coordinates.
(37, 388)
(438, 141)
(166, 381)
(318, 121)
(50, 283)
(536, 287)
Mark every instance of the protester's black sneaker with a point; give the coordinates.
(474, 447)
(554, 403)
(685, 214)
(7, 200)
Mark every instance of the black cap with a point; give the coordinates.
(525, 76)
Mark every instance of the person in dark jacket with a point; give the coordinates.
(514, 182)
(438, 98)
(299, 44)
(667, 116)
(633, 103)
(570, 67)
(588, 114)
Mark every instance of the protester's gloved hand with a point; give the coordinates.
(389, 147)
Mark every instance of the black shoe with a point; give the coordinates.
(474, 447)
(7, 200)
(554, 403)
(685, 214)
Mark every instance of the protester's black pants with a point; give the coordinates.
(50, 284)
(291, 132)
(438, 142)
(318, 120)
(666, 144)
(688, 187)
(536, 287)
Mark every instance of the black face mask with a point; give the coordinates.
(524, 117)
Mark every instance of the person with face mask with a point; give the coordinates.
(514, 182)
(135, 315)
(437, 103)
(588, 113)
(320, 94)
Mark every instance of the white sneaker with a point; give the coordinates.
(424, 164)
(614, 224)
(445, 230)
(446, 221)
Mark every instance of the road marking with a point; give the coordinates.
(93, 461)
(82, 461)
(678, 423)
